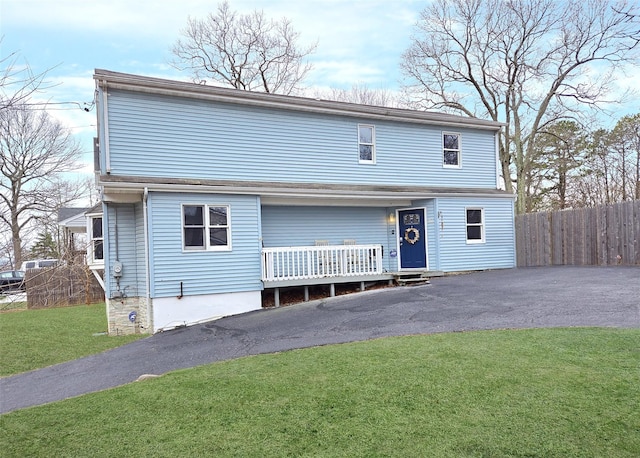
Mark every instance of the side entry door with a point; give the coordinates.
(412, 235)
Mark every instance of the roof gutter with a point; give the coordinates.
(172, 88)
(295, 192)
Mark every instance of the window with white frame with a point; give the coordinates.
(475, 225)
(97, 240)
(451, 149)
(366, 144)
(205, 227)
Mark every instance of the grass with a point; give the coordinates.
(32, 339)
(534, 393)
(8, 305)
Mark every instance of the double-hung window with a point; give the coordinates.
(367, 144)
(475, 225)
(451, 149)
(97, 240)
(206, 227)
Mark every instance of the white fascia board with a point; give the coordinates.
(132, 192)
(334, 202)
(123, 195)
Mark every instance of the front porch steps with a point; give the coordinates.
(416, 277)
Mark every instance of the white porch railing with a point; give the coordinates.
(307, 262)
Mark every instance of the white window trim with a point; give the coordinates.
(459, 150)
(207, 226)
(90, 251)
(482, 226)
(372, 144)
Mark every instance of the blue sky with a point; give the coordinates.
(359, 41)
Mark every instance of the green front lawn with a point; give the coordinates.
(32, 339)
(535, 393)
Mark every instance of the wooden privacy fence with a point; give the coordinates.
(62, 285)
(599, 236)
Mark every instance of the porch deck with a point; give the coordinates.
(317, 265)
(304, 264)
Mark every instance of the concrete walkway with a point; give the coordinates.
(514, 298)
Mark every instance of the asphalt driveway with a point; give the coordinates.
(513, 298)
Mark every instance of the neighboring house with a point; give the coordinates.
(212, 195)
(73, 230)
(72, 219)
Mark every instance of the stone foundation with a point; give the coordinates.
(128, 316)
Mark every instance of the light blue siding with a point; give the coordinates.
(156, 136)
(456, 254)
(302, 226)
(203, 272)
(447, 248)
(124, 226)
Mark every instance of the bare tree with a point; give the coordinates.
(527, 63)
(361, 94)
(17, 82)
(625, 143)
(610, 171)
(6, 253)
(597, 177)
(245, 51)
(560, 151)
(66, 193)
(34, 151)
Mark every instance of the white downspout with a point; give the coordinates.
(146, 257)
(499, 184)
(497, 159)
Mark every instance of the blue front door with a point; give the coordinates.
(412, 234)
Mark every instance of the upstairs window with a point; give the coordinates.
(97, 240)
(475, 225)
(205, 227)
(451, 148)
(367, 144)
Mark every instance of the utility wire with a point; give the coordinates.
(45, 105)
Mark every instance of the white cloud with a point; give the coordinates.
(359, 33)
(135, 36)
(341, 74)
(97, 15)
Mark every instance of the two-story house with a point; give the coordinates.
(212, 195)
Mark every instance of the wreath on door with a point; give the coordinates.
(412, 239)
